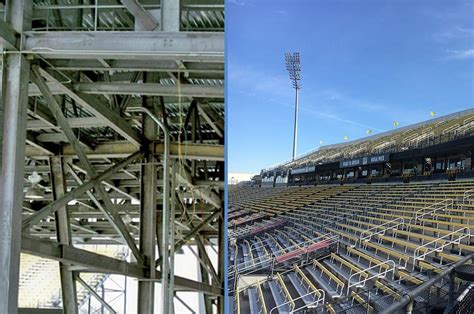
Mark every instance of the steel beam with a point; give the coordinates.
(98, 204)
(74, 256)
(148, 183)
(170, 15)
(213, 122)
(63, 234)
(208, 195)
(197, 229)
(222, 256)
(73, 194)
(194, 231)
(15, 79)
(150, 89)
(84, 160)
(8, 37)
(187, 46)
(122, 149)
(196, 68)
(95, 294)
(114, 120)
(204, 276)
(122, 88)
(103, 264)
(143, 18)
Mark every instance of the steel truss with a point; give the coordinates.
(81, 95)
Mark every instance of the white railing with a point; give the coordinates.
(318, 293)
(455, 236)
(439, 206)
(467, 195)
(397, 222)
(382, 274)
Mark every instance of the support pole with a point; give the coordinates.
(172, 231)
(167, 297)
(148, 187)
(221, 263)
(170, 15)
(63, 234)
(15, 79)
(204, 276)
(295, 127)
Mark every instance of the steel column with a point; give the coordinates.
(167, 297)
(146, 289)
(172, 229)
(204, 276)
(221, 262)
(63, 234)
(170, 15)
(14, 102)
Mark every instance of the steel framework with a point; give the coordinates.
(118, 108)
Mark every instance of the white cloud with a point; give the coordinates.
(461, 54)
(237, 2)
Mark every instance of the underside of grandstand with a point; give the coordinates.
(112, 155)
(382, 224)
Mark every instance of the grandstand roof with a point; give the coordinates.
(434, 131)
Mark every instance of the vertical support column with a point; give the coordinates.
(172, 231)
(14, 101)
(295, 127)
(221, 271)
(170, 15)
(204, 275)
(63, 233)
(146, 289)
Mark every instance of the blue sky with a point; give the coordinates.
(365, 64)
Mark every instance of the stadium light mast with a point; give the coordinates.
(294, 69)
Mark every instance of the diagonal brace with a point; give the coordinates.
(73, 194)
(84, 160)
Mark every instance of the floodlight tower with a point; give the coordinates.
(294, 69)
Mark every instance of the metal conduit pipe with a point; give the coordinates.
(408, 299)
(164, 255)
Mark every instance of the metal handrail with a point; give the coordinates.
(440, 248)
(292, 301)
(308, 306)
(378, 275)
(448, 202)
(467, 195)
(401, 222)
(408, 299)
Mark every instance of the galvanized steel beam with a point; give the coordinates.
(63, 235)
(187, 46)
(15, 79)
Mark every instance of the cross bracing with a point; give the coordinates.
(81, 162)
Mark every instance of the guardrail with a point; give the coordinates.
(467, 195)
(441, 206)
(407, 301)
(382, 274)
(397, 223)
(462, 234)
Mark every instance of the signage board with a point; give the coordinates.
(367, 160)
(303, 170)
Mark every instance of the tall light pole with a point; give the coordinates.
(294, 69)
